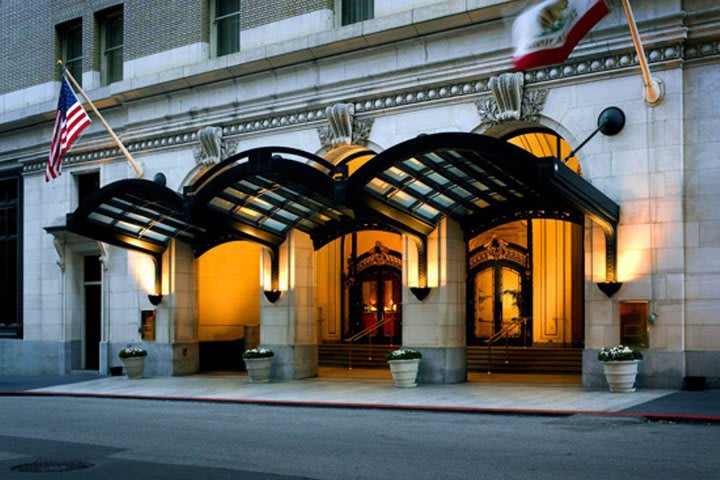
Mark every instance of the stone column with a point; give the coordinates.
(175, 349)
(288, 326)
(436, 326)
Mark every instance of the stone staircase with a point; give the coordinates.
(338, 355)
(557, 360)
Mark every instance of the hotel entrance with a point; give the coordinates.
(457, 244)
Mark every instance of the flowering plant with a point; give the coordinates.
(258, 353)
(619, 353)
(132, 352)
(401, 354)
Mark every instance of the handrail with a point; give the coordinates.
(520, 322)
(364, 333)
(503, 332)
(367, 330)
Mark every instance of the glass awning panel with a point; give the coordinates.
(136, 214)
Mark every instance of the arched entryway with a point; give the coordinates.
(525, 281)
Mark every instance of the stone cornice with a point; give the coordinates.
(471, 90)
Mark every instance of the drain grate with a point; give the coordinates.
(50, 466)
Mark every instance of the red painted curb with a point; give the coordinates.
(379, 406)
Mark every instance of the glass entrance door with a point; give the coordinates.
(378, 300)
(497, 302)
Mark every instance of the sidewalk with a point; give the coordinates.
(375, 390)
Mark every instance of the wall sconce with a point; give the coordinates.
(609, 288)
(155, 299)
(420, 292)
(272, 295)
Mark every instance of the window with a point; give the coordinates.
(226, 26)
(112, 42)
(634, 317)
(71, 48)
(87, 184)
(354, 11)
(10, 257)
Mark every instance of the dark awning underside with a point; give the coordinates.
(260, 194)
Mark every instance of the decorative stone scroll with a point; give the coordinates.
(343, 127)
(509, 101)
(212, 149)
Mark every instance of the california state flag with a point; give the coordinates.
(548, 32)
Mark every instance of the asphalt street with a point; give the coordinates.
(142, 439)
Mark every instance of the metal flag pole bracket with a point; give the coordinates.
(135, 165)
(654, 88)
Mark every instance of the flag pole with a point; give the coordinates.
(136, 167)
(654, 89)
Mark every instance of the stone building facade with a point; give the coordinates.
(301, 79)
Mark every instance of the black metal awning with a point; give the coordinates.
(135, 214)
(261, 194)
(478, 181)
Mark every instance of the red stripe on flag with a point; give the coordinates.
(552, 56)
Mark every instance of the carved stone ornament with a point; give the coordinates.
(509, 101)
(212, 149)
(343, 128)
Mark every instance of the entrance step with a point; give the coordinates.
(525, 360)
(363, 356)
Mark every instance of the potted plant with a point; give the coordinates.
(404, 366)
(620, 365)
(258, 362)
(133, 358)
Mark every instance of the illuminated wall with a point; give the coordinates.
(228, 291)
(557, 282)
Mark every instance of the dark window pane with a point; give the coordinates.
(353, 11)
(226, 7)
(92, 268)
(73, 43)
(9, 280)
(88, 184)
(114, 32)
(75, 69)
(115, 65)
(228, 35)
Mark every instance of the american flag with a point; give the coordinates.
(70, 121)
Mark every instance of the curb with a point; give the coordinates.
(656, 417)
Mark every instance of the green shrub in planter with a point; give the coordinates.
(258, 353)
(406, 354)
(132, 352)
(619, 353)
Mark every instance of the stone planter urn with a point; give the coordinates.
(134, 367)
(404, 372)
(621, 375)
(258, 363)
(259, 369)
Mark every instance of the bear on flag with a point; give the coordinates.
(547, 32)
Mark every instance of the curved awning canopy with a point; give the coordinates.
(135, 214)
(263, 193)
(477, 180)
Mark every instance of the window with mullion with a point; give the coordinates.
(113, 43)
(226, 24)
(71, 37)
